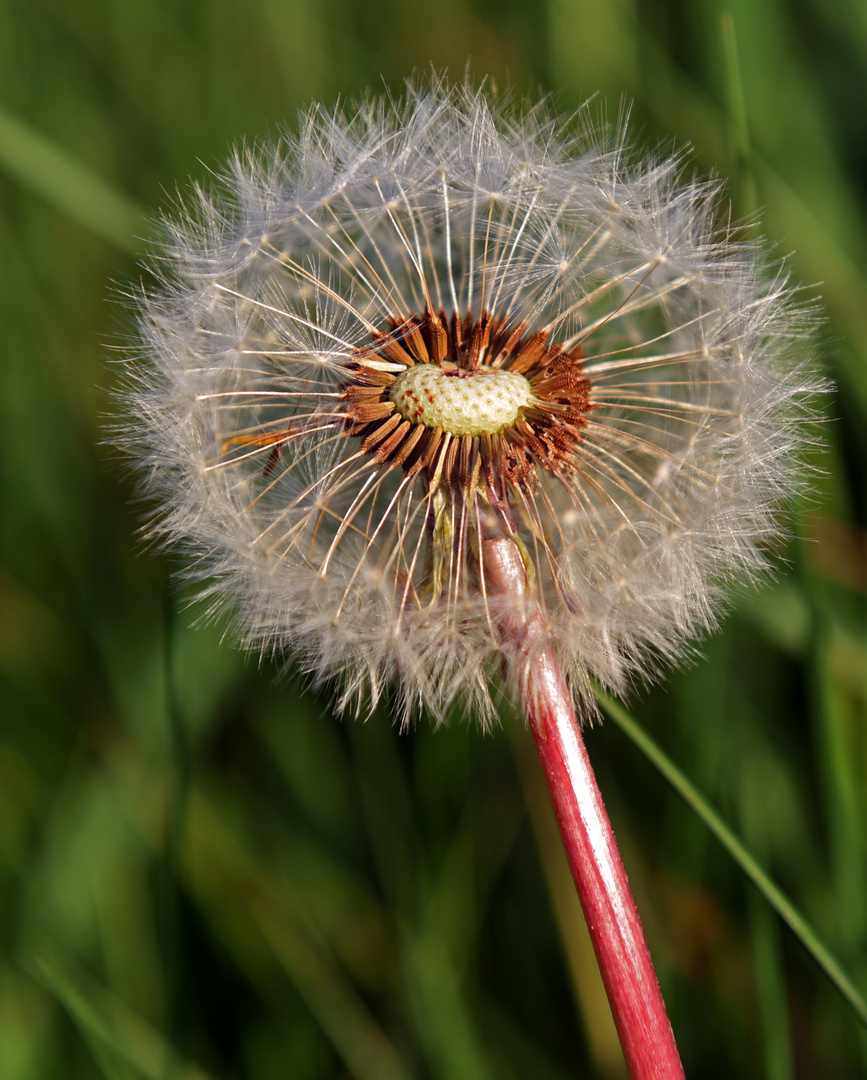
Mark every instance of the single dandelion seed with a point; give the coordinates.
(444, 387)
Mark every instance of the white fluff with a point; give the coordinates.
(269, 284)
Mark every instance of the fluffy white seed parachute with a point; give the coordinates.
(422, 324)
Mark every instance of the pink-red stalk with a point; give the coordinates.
(603, 888)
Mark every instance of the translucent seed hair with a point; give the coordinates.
(418, 325)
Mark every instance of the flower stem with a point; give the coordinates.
(603, 888)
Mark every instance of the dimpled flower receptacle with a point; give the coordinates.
(441, 388)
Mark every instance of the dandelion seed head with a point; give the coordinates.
(421, 325)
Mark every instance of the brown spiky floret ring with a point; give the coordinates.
(479, 403)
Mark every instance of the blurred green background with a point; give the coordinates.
(202, 873)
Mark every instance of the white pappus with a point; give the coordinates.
(420, 324)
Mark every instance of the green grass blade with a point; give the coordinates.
(775, 897)
(771, 992)
(46, 169)
(342, 1014)
(125, 1046)
(741, 150)
(217, 864)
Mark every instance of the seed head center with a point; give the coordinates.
(461, 403)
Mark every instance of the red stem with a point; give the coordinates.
(603, 888)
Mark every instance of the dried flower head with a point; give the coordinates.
(421, 325)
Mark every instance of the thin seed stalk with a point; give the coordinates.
(591, 848)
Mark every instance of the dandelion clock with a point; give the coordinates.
(447, 398)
